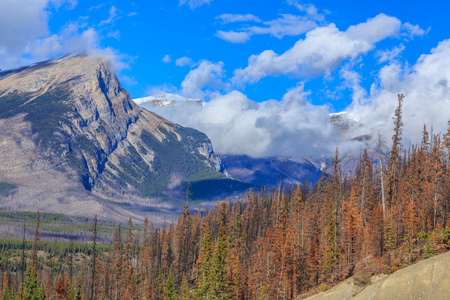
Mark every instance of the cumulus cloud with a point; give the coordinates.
(184, 61)
(427, 90)
(166, 59)
(207, 76)
(25, 37)
(322, 50)
(291, 127)
(194, 3)
(21, 21)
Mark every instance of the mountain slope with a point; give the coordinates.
(73, 141)
(427, 279)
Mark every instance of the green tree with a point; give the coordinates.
(219, 274)
(331, 255)
(389, 240)
(31, 289)
(159, 286)
(204, 266)
(184, 293)
(171, 292)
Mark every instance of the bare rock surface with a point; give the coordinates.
(427, 279)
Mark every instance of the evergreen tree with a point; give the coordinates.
(204, 266)
(219, 274)
(31, 290)
(331, 255)
(171, 293)
(159, 286)
(184, 290)
(34, 256)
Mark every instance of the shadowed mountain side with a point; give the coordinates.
(270, 171)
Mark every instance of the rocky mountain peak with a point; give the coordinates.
(70, 120)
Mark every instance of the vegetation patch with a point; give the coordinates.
(361, 280)
(6, 186)
(46, 113)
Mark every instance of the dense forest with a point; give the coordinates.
(272, 244)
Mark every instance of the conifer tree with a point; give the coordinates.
(184, 290)
(389, 239)
(31, 290)
(34, 256)
(159, 292)
(204, 266)
(395, 159)
(219, 275)
(171, 293)
(330, 255)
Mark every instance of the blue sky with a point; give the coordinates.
(336, 55)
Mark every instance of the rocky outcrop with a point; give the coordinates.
(70, 131)
(427, 279)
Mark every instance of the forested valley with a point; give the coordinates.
(271, 244)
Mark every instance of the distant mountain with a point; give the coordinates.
(73, 141)
(271, 171)
(165, 99)
(347, 125)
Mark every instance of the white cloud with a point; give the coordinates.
(389, 55)
(291, 127)
(128, 80)
(166, 59)
(25, 37)
(114, 34)
(21, 21)
(310, 10)
(426, 86)
(96, 7)
(232, 18)
(234, 36)
(286, 25)
(410, 31)
(206, 75)
(323, 49)
(194, 3)
(184, 61)
(112, 17)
